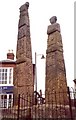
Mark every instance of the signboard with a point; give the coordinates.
(6, 89)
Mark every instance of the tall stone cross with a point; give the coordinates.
(23, 72)
(55, 67)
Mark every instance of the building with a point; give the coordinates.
(6, 80)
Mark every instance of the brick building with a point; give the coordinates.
(6, 81)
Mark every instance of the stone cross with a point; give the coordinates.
(23, 72)
(55, 67)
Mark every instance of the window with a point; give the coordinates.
(3, 76)
(3, 101)
(10, 101)
(10, 75)
(6, 75)
(6, 100)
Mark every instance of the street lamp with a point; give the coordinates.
(35, 79)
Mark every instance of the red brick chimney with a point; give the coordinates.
(10, 55)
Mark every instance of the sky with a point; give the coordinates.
(40, 11)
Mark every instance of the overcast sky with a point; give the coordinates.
(40, 12)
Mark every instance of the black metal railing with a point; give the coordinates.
(55, 106)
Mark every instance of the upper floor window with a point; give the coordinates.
(6, 75)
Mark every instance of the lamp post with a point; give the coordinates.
(35, 80)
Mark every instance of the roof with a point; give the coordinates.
(7, 61)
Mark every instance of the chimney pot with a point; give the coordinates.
(10, 55)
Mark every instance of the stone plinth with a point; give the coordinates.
(55, 66)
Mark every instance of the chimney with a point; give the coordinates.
(10, 55)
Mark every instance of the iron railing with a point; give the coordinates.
(36, 107)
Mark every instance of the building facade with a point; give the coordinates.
(6, 81)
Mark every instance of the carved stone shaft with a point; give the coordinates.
(24, 7)
(52, 28)
(23, 72)
(55, 66)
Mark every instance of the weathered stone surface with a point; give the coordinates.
(52, 28)
(23, 13)
(54, 48)
(23, 21)
(55, 67)
(24, 48)
(24, 7)
(54, 38)
(53, 19)
(23, 31)
(24, 75)
(23, 72)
